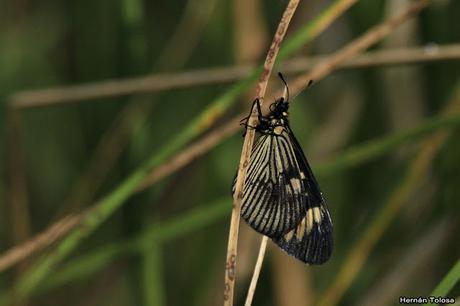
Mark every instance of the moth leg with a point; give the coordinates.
(245, 120)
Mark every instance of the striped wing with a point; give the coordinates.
(275, 196)
(311, 241)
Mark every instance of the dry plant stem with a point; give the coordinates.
(257, 268)
(260, 257)
(230, 266)
(168, 81)
(44, 239)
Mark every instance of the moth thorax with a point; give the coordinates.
(278, 130)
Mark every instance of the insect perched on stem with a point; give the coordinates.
(281, 198)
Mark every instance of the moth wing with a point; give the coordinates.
(311, 241)
(274, 197)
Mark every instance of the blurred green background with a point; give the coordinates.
(393, 194)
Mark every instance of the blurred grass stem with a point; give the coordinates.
(209, 76)
(448, 282)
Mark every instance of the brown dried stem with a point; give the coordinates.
(257, 268)
(44, 239)
(168, 81)
(230, 266)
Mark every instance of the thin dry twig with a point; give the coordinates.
(168, 81)
(44, 239)
(230, 266)
(257, 268)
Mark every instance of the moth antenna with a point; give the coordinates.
(308, 85)
(286, 87)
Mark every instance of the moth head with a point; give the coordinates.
(279, 108)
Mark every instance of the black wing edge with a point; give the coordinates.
(315, 195)
(310, 245)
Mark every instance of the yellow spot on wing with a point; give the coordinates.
(317, 215)
(288, 236)
(288, 189)
(295, 182)
(309, 218)
(301, 230)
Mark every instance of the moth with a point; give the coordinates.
(281, 197)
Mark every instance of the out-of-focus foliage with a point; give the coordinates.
(167, 245)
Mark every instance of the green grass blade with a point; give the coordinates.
(448, 282)
(381, 146)
(152, 274)
(82, 267)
